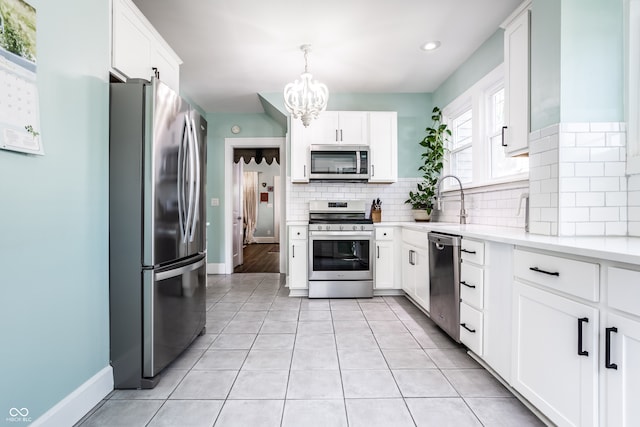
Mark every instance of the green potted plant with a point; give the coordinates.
(423, 199)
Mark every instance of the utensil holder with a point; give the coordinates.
(376, 215)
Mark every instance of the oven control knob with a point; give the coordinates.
(328, 227)
(341, 227)
(362, 227)
(355, 228)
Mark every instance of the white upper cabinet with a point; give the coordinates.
(383, 142)
(137, 48)
(300, 140)
(516, 81)
(338, 127)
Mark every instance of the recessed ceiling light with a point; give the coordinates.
(432, 45)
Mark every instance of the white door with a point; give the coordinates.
(277, 217)
(237, 213)
(623, 379)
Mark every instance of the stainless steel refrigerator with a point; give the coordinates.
(157, 264)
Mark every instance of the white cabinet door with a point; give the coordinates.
(299, 140)
(168, 66)
(622, 383)
(137, 48)
(547, 369)
(131, 43)
(516, 85)
(352, 128)
(324, 129)
(383, 142)
(421, 277)
(298, 254)
(385, 265)
(408, 270)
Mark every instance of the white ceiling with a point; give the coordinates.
(234, 49)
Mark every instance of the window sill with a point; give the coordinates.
(512, 182)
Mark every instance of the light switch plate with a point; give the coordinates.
(215, 202)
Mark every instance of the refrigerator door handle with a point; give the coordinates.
(181, 176)
(196, 200)
(190, 177)
(179, 271)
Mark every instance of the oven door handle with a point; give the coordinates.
(343, 234)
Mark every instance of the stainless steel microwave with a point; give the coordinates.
(339, 162)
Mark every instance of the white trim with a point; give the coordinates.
(524, 6)
(632, 82)
(215, 268)
(265, 239)
(79, 402)
(229, 145)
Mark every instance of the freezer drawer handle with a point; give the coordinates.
(607, 348)
(179, 271)
(464, 325)
(467, 251)
(462, 282)
(504, 144)
(550, 273)
(581, 352)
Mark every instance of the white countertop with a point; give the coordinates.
(620, 249)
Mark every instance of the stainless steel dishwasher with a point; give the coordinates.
(444, 280)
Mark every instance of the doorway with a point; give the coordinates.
(256, 204)
(261, 251)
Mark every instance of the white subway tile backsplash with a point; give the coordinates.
(615, 169)
(605, 184)
(589, 169)
(574, 214)
(616, 228)
(616, 198)
(567, 200)
(575, 154)
(616, 139)
(572, 184)
(607, 154)
(590, 229)
(591, 139)
(605, 214)
(590, 199)
(574, 127)
(566, 169)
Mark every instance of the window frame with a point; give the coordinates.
(478, 97)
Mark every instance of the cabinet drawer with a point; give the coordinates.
(623, 289)
(415, 238)
(384, 233)
(471, 328)
(471, 284)
(472, 250)
(578, 278)
(298, 232)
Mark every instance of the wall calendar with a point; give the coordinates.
(19, 108)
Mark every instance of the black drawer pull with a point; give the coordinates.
(607, 348)
(550, 273)
(464, 325)
(462, 282)
(504, 144)
(467, 251)
(581, 352)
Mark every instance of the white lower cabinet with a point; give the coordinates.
(298, 254)
(555, 355)
(621, 371)
(415, 266)
(386, 259)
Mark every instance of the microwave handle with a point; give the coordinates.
(358, 162)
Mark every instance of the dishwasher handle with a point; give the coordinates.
(441, 240)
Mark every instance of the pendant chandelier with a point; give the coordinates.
(306, 98)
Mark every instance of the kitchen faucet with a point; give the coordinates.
(463, 213)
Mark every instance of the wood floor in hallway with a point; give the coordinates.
(260, 258)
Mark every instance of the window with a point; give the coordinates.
(476, 118)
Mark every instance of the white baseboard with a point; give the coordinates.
(265, 239)
(213, 268)
(72, 408)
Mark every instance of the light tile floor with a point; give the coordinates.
(270, 360)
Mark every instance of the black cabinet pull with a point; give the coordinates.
(607, 348)
(464, 325)
(378, 252)
(550, 273)
(467, 251)
(504, 144)
(293, 249)
(581, 352)
(462, 282)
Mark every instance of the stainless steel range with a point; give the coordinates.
(340, 249)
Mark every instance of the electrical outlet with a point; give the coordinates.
(268, 232)
(215, 202)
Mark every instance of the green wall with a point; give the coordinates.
(592, 72)
(577, 65)
(219, 128)
(54, 247)
(545, 63)
(486, 58)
